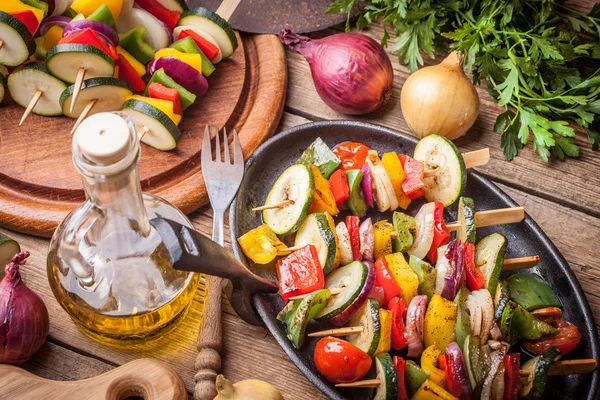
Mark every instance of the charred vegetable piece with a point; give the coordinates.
(385, 280)
(386, 373)
(489, 257)
(403, 275)
(518, 323)
(340, 361)
(323, 200)
(261, 244)
(429, 363)
(440, 232)
(415, 377)
(367, 317)
(383, 232)
(393, 167)
(383, 190)
(463, 319)
(531, 292)
(440, 322)
(339, 187)
(430, 391)
(356, 201)
(539, 366)
(477, 360)
(298, 313)
(406, 229)
(414, 170)
(316, 230)
(426, 274)
(385, 340)
(321, 156)
(466, 217)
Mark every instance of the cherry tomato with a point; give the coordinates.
(340, 361)
(352, 154)
(565, 340)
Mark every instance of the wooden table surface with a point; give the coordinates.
(562, 197)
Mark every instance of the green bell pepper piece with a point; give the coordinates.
(103, 15)
(298, 313)
(518, 323)
(414, 377)
(356, 202)
(531, 292)
(406, 229)
(321, 156)
(186, 97)
(188, 46)
(133, 42)
(426, 274)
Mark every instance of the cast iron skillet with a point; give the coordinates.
(524, 239)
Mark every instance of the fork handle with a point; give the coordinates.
(208, 360)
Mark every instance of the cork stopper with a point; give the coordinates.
(103, 138)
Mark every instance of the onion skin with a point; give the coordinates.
(24, 322)
(351, 72)
(440, 100)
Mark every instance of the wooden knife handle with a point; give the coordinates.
(208, 361)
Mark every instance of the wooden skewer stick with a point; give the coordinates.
(566, 367)
(493, 217)
(227, 8)
(142, 132)
(31, 105)
(290, 249)
(276, 205)
(333, 291)
(350, 330)
(84, 114)
(78, 83)
(472, 159)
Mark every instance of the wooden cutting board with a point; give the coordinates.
(39, 185)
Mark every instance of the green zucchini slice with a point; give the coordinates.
(174, 5)
(296, 183)
(500, 301)
(214, 25)
(64, 60)
(366, 317)
(25, 82)
(463, 319)
(466, 217)
(162, 133)
(438, 153)
(18, 41)
(386, 373)
(2, 88)
(489, 256)
(352, 278)
(316, 231)
(535, 384)
(109, 94)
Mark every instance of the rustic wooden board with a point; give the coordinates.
(39, 184)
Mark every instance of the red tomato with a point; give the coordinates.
(567, 338)
(340, 361)
(352, 154)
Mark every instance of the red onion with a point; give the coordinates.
(366, 185)
(455, 276)
(458, 370)
(182, 73)
(24, 322)
(377, 294)
(367, 240)
(50, 22)
(414, 325)
(352, 73)
(104, 31)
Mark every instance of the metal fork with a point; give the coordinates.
(223, 179)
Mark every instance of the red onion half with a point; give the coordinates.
(352, 73)
(51, 21)
(103, 30)
(458, 369)
(414, 325)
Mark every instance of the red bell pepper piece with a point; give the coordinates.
(169, 17)
(129, 75)
(338, 182)
(158, 91)
(300, 273)
(28, 18)
(209, 49)
(352, 223)
(414, 170)
(384, 278)
(512, 376)
(475, 279)
(90, 37)
(440, 232)
(398, 308)
(446, 365)
(400, 367)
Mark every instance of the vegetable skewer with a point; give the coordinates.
(84, 113)
(493, 217)
(34, 100)
(78, 83)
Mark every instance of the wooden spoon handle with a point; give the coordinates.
(147, 378)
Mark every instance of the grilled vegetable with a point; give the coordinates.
(261, 244)
(403, 275)
(319, 155)
(386, 373)
(466, 217)
(316, 231)
(298, 313)
(531, 292)
(406, 229)
(323, 200)
(300, 273)
(356, 202)
(489, 256)
(426, 274)
(367, 317)
(538, 367)
(440, 321)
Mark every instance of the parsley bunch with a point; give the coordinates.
(538, 59)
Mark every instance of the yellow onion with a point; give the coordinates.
(440, 100)
(250, 389)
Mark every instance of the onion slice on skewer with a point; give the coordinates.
(414, 325)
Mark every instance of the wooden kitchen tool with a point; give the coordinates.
(147, 378)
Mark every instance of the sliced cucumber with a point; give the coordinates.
(489, 257)
(18, 42)
(466, 217)
(386, 373)
(65, 60)
(204, 35)
(25, 82)
(214, 25)
(109, 94)
(316, 231)
(2, 89)
(366, 317)
(8, 248)
(352, 278)
(439, 153)
(162, 133)
(296, 183)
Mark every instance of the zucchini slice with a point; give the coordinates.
(437, 152)
(162, 133)
(211, 23)
(535, 384)
(500, 301)
(8, 248)
(2, 86)
(316, 231)
(352, 278)
(109, 93)
(18, 41)
(25, 82)
(204, 35)
(489, 256)
(366, 317)
(466, 217)
(174, 5)
(296, 183)
(64, 60)
(386, 373)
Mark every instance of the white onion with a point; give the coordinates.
(383, 190)
(60, 6)
(424, 220)
(480, 307)
(414, 325)
(367, 239)
(344, 242)
(156, 35)
(442, 266)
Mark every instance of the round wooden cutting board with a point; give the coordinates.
(39, 184)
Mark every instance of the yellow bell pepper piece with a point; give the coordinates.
(382, 231)
(385, 339)
(393, 167)
(193, 60)
(440, 320)
(52, 37)
(338, 255)
(87, 7)
(403, 275)
(323, 200)
(165, 106)
(138, 66)
(430, 391)
(429, 363)
(261, 244)
(13, 6)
